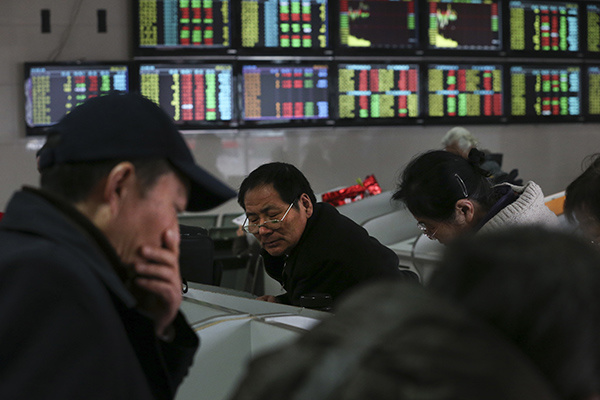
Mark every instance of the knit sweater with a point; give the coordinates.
(528, 208)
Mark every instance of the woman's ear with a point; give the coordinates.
(465, 211)
(305, 203)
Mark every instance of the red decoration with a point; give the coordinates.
(368, 187)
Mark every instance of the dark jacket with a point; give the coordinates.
(396, 341)
(333, 255)
(68, 325)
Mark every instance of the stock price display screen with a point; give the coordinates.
(465, 25)
(594, 90)
(183, 24)
(544, 26)
(286, 24)
(465, 90)
(544, 91)
(378, 24)
(277, 92)
(53, 91)
(593, 28)
(190, 93)
(378, 91)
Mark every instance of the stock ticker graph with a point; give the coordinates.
(378, 24)
(468, 25)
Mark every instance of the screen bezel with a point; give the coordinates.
(243, 123)
(584, 33)
(159, 51)
(376, 121)
(542, 54)
(460, 119)
(343, 50)
(284, 51)
(553, 118)
(41, 130)
(432, 51)
(194, 125)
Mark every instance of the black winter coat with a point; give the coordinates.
(68, 325)
(333, 255)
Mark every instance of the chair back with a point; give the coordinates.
(197, 256)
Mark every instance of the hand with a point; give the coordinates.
(159, 282)
(268, 298)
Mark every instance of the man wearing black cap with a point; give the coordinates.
(89, 277)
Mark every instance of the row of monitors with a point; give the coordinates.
(381, 27)
(231, 95)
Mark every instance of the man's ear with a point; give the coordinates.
(119, 184)
(305, 203)
(465, 211)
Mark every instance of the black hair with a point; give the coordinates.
(539, 288)
(434, 181)
(74, 182)
(286, 179)
(584, 192)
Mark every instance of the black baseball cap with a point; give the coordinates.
(129, 126)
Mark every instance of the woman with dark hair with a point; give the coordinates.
(582, 202)
(449, 196)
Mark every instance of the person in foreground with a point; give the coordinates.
(512, 315)
(450, 196)
(582, 200)
(307, 246)
(90, 287)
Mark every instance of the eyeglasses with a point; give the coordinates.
(425, 231)
(273, 224)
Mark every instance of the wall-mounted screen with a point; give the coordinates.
(593, 91)
(280, 93)
(545, 91)
(377, 91)
(465, 25)
(593, 28)
(464, 90)
(544, 26)
(54, 89)
(285, 24)
(194, 95)
(378, 24)
(182, 25)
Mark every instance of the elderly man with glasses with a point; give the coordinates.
(310, 248)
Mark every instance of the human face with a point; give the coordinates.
(262, 204)
(142, 219)
(443, 232)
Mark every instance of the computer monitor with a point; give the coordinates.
(544, 27)
(285, 26)
(592, 92)
(466, 91)
(465, 25)
(173, 27)
(378, 25)
(196, 95)
(545, 91)
(592, 31)
(54, 89)
(377, 92)
(287, 93)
